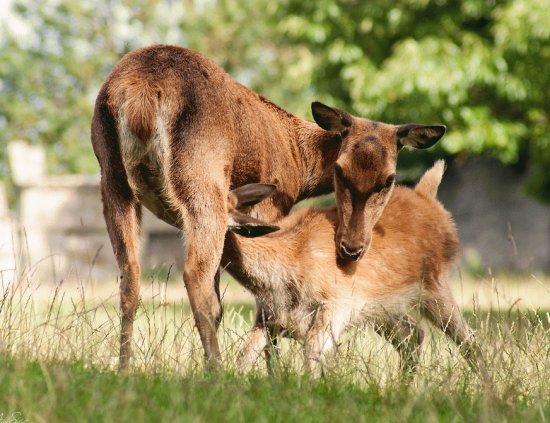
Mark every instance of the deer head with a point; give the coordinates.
(365, 171)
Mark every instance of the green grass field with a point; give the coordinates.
(59, 352)
(38, 391)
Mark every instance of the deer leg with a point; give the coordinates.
(122, 216)
(203, 258)
(271, 351)
(255, 344)
(443, 312)
(320, 338)
(122, 213)
(264, 319)
(204, 222)
(406, 337)
(217, 279)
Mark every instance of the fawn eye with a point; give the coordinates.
(387, 184)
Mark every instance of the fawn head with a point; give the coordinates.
(365, 171)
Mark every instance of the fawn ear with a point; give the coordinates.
(419, 136)
(330, 118)
(249, 227)
(251, 194)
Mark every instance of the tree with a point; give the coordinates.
(481, 67)
(51, 73)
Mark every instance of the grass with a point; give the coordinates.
(59, 353)
(37, 391)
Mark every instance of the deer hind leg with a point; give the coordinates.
(205, 235)
(202, 208)
(197, 184)
(122, 214)
(406, 337)
(443, 312)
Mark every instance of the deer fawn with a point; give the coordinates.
(173, 132)
(306, 291)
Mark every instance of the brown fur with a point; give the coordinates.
(173, 132)
(312, 294)
(141, 105)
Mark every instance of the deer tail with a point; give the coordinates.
(430, 181)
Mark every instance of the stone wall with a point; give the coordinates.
(497, 223)
(8, 242)
(61, 224)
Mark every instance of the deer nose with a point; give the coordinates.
(353, 253)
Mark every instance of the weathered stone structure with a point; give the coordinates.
(8, 242)
(496, 220)
(61, 223)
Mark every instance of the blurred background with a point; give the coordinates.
(481, 67)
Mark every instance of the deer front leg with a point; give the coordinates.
(322, 335)
(255, 344)
(271, 352)
(263, 337)
(265, 319)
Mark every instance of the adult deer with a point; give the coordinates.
(173, 132)
(307, 292)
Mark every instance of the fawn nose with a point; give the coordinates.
(350, 253)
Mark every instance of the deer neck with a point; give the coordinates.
(259, 264)
(319, 150)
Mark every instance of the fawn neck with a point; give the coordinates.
(257, 263)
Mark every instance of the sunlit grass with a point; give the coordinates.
(65, 344)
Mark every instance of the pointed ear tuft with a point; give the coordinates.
(419, 136)
(330, 118)
(251, 194)
(248, 226)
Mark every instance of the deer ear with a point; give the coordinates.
(244, 196)
(419, 136)
(251, 194)
(249, 227)
(329, 118)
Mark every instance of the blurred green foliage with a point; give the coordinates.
(482, 67)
